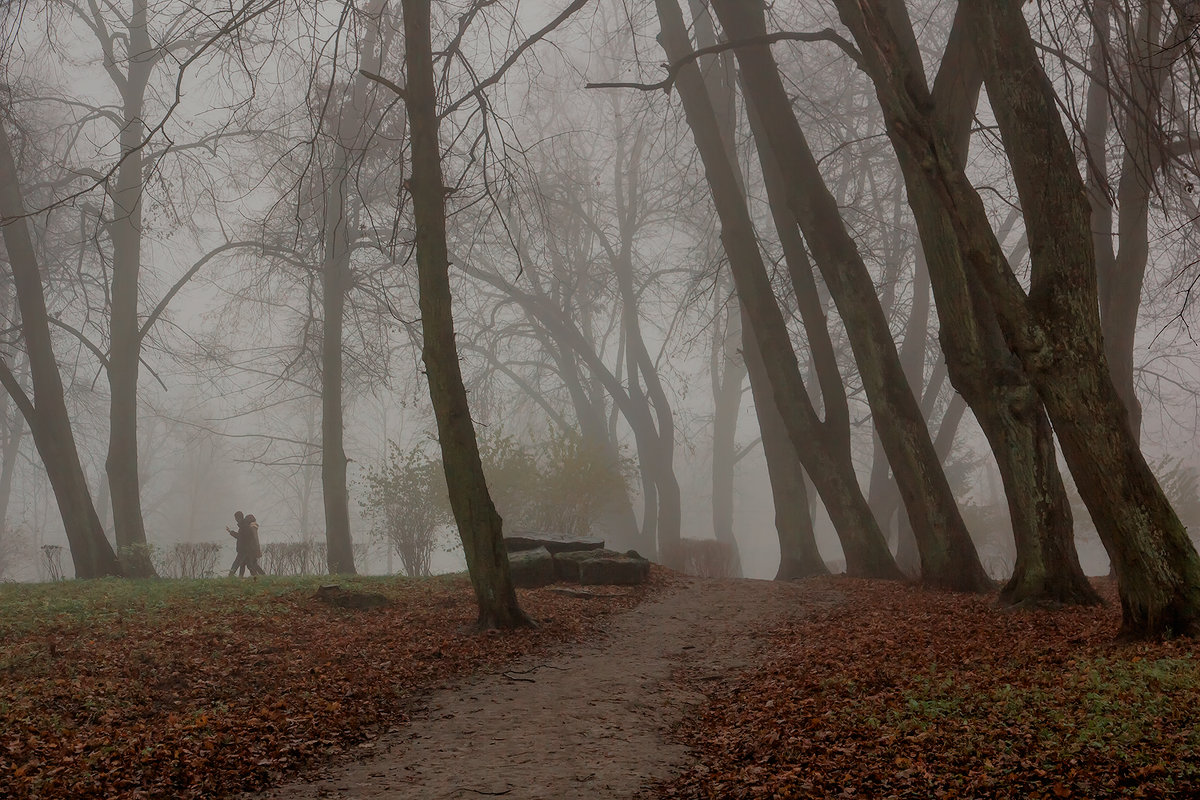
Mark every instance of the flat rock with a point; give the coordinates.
(619, 571)
(554, 542)
(531, 568)
(601, 567)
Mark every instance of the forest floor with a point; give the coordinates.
(685, 688)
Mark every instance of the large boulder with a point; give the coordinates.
(554, 542)
(594, 567)
(531, 568)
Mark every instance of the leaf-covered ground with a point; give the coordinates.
(129, 689)
(905, 693)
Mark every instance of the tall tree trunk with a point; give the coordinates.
(1121, 278)
(335, 284)
(1055, 329)
(14, 432)
(986, 373)
(728, 375)
(46, 413)
(948, 556)
(125, 231)
(727, 367)
(1157, 567)
(335, 281)
(479, 525)
(798, 553)
(866, 551)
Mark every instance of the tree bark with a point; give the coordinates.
(479, 526)
(1157, 567)
(1055, 329)
(866, 552)
(948, 556)
(46, 413)
(985, 372)
(798, 553)
(125, 231)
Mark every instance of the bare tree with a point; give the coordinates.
(46, 411)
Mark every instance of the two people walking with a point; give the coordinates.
(248, 549)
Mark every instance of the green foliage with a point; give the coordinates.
(407, 504)
(561, 483)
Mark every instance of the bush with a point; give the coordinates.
(294, 558)
(187, 560)
(407, 505)
(561, 484)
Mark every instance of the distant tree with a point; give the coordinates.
(46, 411)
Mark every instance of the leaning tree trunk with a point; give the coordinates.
(1157, 567)
(985, 372)
(46, 413)
(798, 553)
(1055, 328)
(479, 524)
(830, 468)
(948, 557)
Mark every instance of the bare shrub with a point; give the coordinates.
(188, 560)
(51, 562)
(294, 558)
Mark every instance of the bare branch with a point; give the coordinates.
(824, 35)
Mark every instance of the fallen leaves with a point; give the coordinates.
(204, 689)
(904, 693)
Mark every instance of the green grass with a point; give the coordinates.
(104, 603)
(1119, 705)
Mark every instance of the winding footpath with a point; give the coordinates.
(594, 721)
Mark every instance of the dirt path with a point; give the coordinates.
(592, 722)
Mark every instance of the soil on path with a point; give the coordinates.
(594, 721)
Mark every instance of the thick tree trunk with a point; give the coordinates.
(866, 551)
(46, 414)
(982, 368)
(1056, 329)
(478, 523)
(125, 231)
(948, 556)
(1157, 567)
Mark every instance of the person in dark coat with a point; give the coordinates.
(248, 550)
(253, 548)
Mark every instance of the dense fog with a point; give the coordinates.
(206, 185)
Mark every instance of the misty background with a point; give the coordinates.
(569, 207)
